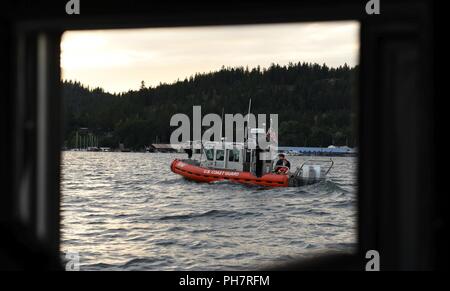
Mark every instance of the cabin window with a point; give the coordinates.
(233, 155)
(219, 155)
(209, 154)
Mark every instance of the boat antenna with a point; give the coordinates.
(248, 118)
(201, 149)
(221, 129)
(249, 109)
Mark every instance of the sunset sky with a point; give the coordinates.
(118, 60)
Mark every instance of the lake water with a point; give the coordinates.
(128, 211)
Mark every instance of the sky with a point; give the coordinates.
(118, 60)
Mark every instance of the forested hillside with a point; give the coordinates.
(314, 104)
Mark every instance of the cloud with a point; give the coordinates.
(117, 60)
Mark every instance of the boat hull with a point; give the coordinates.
(206, 175)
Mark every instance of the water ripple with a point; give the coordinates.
(128, 211)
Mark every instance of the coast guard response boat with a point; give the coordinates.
(241, 163)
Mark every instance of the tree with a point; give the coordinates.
(314, 104)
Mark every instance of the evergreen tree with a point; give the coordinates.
(313, 102)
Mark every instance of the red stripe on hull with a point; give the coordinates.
(206, 175)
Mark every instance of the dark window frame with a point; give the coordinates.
(395, 206)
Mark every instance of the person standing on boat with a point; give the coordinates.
(188, 151)
(282, 165)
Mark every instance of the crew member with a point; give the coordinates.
(282, 165)
(189, 152)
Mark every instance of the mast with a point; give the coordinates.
(248, 121)
(249, 109)
(222, 126)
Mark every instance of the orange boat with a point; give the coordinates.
(191, 171)
(223, 161)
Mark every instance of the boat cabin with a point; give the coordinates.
(234, 156)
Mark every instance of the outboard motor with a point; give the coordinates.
(311, 172)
